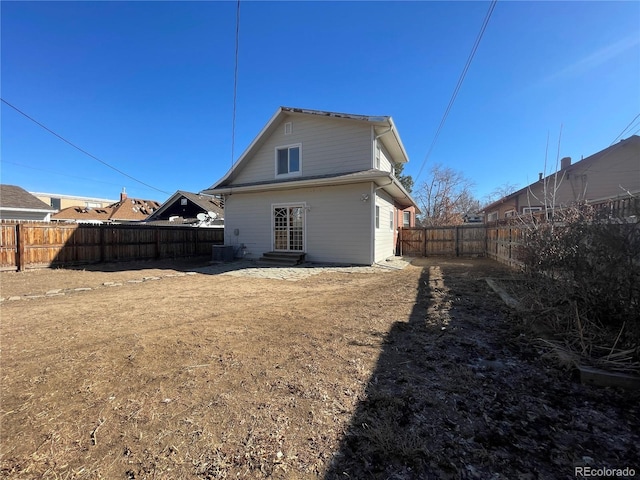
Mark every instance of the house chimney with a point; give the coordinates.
(123, 194)
(539, 176)
(565, 162)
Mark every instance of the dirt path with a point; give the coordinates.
(408, 373)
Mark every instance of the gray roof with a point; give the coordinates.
(12, 196)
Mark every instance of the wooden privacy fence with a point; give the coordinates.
(457, 241)
(34, 245)
(499, 242)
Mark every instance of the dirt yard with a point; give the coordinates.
(173, 371)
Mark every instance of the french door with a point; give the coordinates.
(288, 228)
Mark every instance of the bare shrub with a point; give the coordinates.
(585, 266)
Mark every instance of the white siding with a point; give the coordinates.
(337, 222)
(385, 163)
(329, 145)
(27, 216)
(384, 236)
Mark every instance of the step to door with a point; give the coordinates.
(281, 259)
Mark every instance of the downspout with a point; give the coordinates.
(372, 249)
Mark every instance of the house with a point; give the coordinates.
(59, 201)
(127, 210)
(610, 176)
(186, 208)
(319, 184)
(18, 204)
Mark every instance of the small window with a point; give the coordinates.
(378, 158)
(530, 210)
(509, 213)
(288, 127)
(391, 220)
(55, 203)
(288, 160)
(492, 217)
(183, 201)
(377, 216)
(406, 219)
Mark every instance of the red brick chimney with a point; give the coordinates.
(123, 195)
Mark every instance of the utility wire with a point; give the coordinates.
(80, 149)
(625, 129)
(459, 84)
(93, 180)
(235, 85)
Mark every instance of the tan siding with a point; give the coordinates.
(329, 146)
(338, 222)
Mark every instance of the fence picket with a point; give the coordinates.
(38, 244)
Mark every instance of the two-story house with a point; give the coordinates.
(319, 184)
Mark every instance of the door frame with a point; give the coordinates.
(303, 206)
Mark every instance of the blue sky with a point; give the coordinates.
(147, 87)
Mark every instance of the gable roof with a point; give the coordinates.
(13, 197)
(208, 203)
(127, 209)
(385, 125)
(579, 166)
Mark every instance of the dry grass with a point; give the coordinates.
(402, 374)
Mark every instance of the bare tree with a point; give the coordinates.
(497, 193)
(445, 197)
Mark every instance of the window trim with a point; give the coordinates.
(391, 220)
(530, 210)
(289, 173)
(406, 218)
(378, 216)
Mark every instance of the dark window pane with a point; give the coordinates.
(283, 161)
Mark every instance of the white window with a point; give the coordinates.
(377, 216)
(391, 220)
(289, 160)
(492, 217)
(509, 213)
(183, 201)
(288, 127)
(377, 158)
(406, 219)
(526, 210)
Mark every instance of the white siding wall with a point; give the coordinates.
(337, 223)
(384, 235)
(385, 163)
(329, 145)
(27, 216)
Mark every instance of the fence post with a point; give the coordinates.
(103, 242)
(457, 233)
(424, 242)
(21, 259)
(157, 243)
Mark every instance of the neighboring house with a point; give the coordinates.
(127, 210)
(609, 176)
(185, 208)
(320, 184)
(60, 201)
(18, 204)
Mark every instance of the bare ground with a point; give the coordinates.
(413, 373)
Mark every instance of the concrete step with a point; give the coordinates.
(281, 259)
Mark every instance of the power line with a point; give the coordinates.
(93, 180)
(459, 84)
(80, 149)
(625, 129)
(235, 85)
